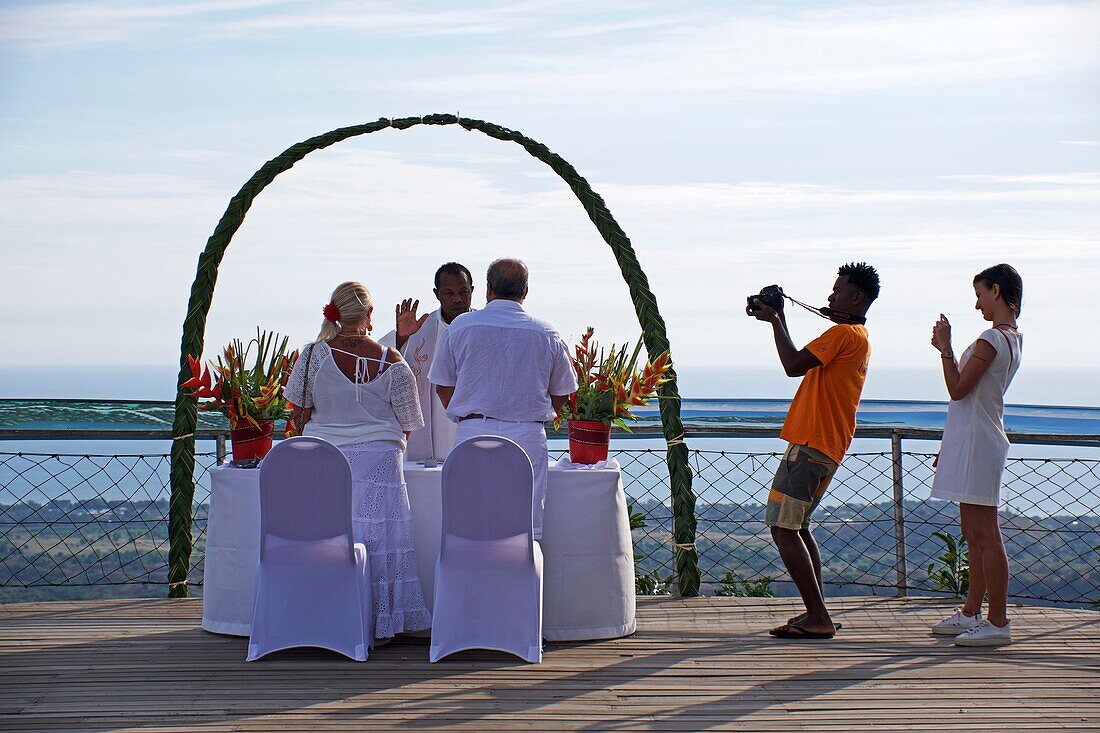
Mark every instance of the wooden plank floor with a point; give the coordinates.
(694, 665)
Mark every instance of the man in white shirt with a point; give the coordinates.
(417, 339)
(502, 372)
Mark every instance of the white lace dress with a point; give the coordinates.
(367, 420)
(381, 520)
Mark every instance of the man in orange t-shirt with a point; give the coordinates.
(819, 428)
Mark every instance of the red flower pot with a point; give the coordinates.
(588, 441)
(250, 441)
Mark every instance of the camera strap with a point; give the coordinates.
(829, 314)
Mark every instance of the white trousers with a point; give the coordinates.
(531, 436)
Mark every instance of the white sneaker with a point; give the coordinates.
(957, 623)
(985, 634)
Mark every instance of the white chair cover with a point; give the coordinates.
(312, 581)
(488, 579)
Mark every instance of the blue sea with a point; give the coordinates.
(133, 388)
(712, 398)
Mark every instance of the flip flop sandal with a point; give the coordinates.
(778, 629)
(797, 632)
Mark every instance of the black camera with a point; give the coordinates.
(771, 296)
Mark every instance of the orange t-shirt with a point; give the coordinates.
(823, 413)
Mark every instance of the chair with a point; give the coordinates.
(312, 580)
(488, 579)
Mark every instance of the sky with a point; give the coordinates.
(737, 144)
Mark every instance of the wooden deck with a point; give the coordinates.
(701, 664)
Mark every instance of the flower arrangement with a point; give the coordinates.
(610, 384)
(246, 391)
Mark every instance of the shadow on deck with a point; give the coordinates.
(698, 664)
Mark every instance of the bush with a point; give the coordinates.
(732, 586)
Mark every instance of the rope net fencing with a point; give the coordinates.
(74, 522)
(76, 526)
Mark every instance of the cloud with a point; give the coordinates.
(570, 48)
(840, 49)
(769, 197)
(1089, 143)
(53, 25)
(1083, 180)
(132, 242)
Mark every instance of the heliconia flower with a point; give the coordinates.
(662, 363)
(200, 383)
(196, 373)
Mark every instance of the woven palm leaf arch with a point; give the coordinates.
(194, 327)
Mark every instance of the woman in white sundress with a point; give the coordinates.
(351, 391)
(974, 450)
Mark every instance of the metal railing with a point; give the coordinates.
(80, 523)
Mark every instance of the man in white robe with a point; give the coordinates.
(417, 340)
(500, 371)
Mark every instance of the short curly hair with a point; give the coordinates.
(453, 268)
(863, 276)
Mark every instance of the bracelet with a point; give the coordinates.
(948, 356)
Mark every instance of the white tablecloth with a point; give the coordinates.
(588, 581)
(232, 550)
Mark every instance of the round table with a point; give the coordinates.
(588, 557)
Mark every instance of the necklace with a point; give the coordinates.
(1010, 325)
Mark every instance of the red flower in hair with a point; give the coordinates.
(331, 312)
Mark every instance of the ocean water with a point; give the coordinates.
(139, 397)
(711, 397)
(1032, 386)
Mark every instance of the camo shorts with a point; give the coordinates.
(799, 483)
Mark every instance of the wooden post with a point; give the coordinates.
(899, 515)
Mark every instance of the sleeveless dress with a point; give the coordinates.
(366, 419)
(974, 448)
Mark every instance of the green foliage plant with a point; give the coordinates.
(732, 586)
(653, 583)
(953, 571)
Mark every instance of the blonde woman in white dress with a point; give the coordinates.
(974, 450)
(361, 396)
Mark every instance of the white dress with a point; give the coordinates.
(366, 419)
(974, 448)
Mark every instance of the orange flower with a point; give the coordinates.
(610, 383)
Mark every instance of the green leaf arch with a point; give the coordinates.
(202, 291)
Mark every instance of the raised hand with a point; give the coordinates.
(407, 322)
(941, 335)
